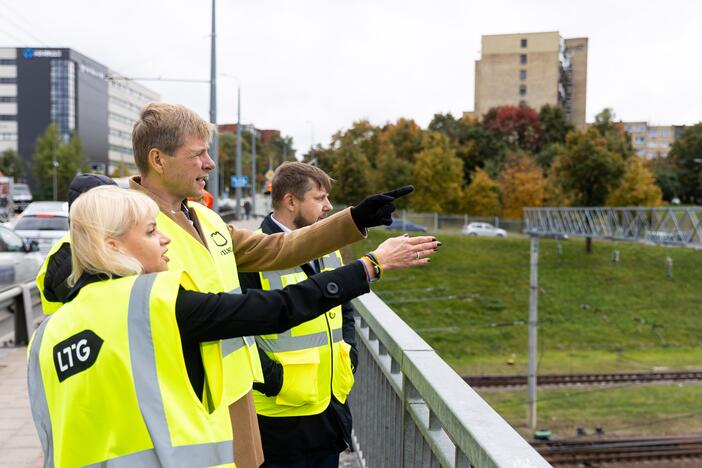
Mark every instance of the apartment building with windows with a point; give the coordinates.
(39, 86)
(652, 141)
(532, 69)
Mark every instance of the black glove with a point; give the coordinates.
(376, 209)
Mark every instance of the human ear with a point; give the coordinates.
(289, 201)
(155, 158)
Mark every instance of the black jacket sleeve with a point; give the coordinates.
(207, 317)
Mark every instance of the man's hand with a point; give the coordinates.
(376, 209)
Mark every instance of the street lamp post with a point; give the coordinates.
(253, 171)
(214, 180)
(238, 153)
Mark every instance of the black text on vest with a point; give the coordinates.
(76, 354)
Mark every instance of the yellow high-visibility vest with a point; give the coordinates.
(47, 306)
(108, 382)
(314, 356)
(213, 269)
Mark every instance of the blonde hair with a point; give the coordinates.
(103, 213)
(164, 127)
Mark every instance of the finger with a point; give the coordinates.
(383, 198)
(400, 192)
(427, 246)
(421, 240)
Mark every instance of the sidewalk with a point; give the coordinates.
(19, 443)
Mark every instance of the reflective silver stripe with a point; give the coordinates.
(37, 396)
(236, 290)
(337, 335)
(233, 344)
(275, 278)
(292, 343)
(250, 340)
(146, 385)
(197, 455)
(330, 261)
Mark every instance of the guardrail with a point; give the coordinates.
(411, 409)
(20, 297)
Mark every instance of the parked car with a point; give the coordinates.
(21, 196)
(483, 229)
(43, 228)
(406, 226)
(19, 260)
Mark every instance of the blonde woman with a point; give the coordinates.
(112, 377)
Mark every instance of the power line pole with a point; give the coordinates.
(213, 181)
(533, 324)
(238, 153)
(54, 170)
(253, 172)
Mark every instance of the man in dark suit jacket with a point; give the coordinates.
(300, 198)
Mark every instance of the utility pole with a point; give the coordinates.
(533, 324)
(213, 181)
(253, 172)
(54, 170)
(238, 152)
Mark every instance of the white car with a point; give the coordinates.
(19, 260)
(43, 228)
(483, 229)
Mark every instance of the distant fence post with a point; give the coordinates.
(436, 221)
(465, 219)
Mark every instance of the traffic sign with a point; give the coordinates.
(269, 175)
(239, 182)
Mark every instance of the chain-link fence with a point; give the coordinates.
(434, 222)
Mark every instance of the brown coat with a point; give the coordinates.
(260, 252)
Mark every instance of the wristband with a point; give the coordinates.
(376, 266)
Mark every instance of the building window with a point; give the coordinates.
(522, 74)
(639, 140)
(8, 62)
(8, 98)
(524, 43)
(8, 80)
(63, 96)
(522, 90)
(8, 136)
(523, 59)
(522, 103)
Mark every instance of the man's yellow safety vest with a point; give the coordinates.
(213, 269)
(314, 356)
(47, 306)
(108, 382)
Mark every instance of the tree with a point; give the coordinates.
(637, 187)
(70, 159)
(519, 127)
(437, 176)
(554, 125)
(392, 172)
(666, 177)
(522, 185)
(588, 168)
(618, 140)
(683, 154)
(405, 136)
(482, 196)
(11, 164)
(352, 173)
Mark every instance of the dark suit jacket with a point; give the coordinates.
(292, 439)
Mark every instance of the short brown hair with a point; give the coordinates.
(296, 177)
(164, 127)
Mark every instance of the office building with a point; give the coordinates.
(43, 85)
(532, 69)
(652, 141)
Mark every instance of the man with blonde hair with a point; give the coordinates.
(171, 144)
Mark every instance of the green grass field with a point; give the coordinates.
(471, 304)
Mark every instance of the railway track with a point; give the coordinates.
(488, 381)
(593, 452)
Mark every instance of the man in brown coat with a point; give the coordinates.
(171, 144)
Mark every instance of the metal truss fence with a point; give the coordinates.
(668, 225)
(411, 409)
(435, 222)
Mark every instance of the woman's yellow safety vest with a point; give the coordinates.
(314, 356)
(47, 306)
(108, 383)
(213, 269)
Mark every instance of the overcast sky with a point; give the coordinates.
(312, 67)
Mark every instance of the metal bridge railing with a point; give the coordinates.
(411, 409)
(658, 225)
